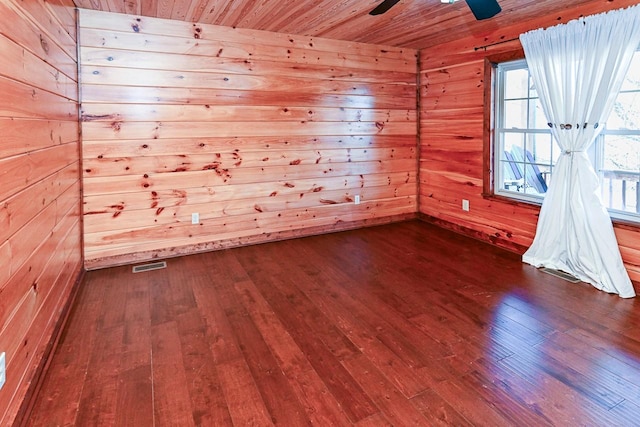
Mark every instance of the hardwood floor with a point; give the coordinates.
(403, 324)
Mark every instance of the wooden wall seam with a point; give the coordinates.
(418, 128)
(80, 136)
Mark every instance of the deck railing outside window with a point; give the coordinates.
(620, 190)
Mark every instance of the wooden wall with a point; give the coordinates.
(451, 144)
(40, 236)
(260, 133)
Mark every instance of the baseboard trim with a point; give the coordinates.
(22, 417)
(487, 238)
(145, 256)
(475, 234)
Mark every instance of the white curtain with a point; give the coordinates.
(578, 69)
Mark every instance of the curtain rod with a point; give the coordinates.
(494, 44)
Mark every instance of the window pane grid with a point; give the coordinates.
(526, 153)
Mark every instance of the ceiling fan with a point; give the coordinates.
(482, 9)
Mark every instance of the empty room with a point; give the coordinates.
(319, 212)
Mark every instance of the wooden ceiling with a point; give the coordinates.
(411, 23)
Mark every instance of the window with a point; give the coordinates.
(525, 153)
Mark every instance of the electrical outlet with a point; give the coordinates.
(356, 199)
(3, 370)
(195, 218)
(465, 205)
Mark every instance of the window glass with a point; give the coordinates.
(626, 112)
(538, 120)
(515, 114)
(632, 82)
(517, 84)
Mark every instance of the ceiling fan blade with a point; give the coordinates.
(383, 7)
(484, 9)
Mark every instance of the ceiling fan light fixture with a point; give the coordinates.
(482, 9)
(383, 7)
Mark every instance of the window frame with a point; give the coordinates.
(490, 74)
(527, 133)
(490, 175)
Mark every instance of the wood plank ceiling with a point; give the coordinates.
(416, 24)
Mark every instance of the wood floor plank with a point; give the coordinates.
(98, 402)
(243, 397)
(322, 408)
(604, 351)
(612, 384)
(249, 345)
(169, 296)
(538, 360)
(471, 405)
(465, 343)
(205, 389)
(137, 325)
(401, 324)
(625, 414)
(218, 333)
(394, 405)
(437, 411)
(527, 394)
(281, 284)
(134, 402)
(376, 420)
(368, 289)
(171, 400)
(71, 359)
(356, 404)
(339, 309)
(481, 382)
(114, 303)
(556, 398)
(279, 398)
(97, 405)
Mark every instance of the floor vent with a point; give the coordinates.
(148, 267)
(561, 274)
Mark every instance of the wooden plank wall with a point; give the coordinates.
(260, 133)
(40, 235)
(451, 144)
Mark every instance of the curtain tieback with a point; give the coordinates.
(569, 126)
